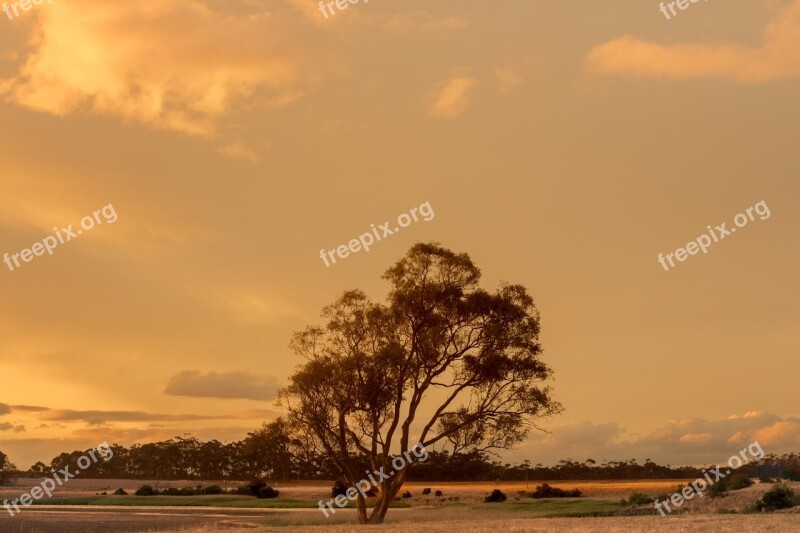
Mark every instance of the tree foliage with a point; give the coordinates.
(7, 470)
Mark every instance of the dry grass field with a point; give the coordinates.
(464, 512)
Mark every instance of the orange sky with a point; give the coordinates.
(563, 145)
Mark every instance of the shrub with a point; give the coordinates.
(171, 491)
(212, 489)
(638, 498)
(339, 489)
(406, 494)
(763, 479)
(252, 488)
(187, 491)
(120, 492)
(720, 489)
(738, 482)
(268, 492)
(437, 493)
(426, 491)
(546, 491)
(256, 488)
(497, 495)
(779, 497)
(146, 490)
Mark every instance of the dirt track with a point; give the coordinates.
(42, 519)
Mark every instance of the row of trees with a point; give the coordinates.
(275, 453)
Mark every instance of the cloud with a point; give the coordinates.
(684, 441)
(452, 97)
(181, 65)
(102, 417)
(4, 409)
(785, 433)
(5, 426)
(227, 385)
(777, 58)
(28, 408)
(507, 78)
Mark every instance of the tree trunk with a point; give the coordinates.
(361, 509)
(387, 497)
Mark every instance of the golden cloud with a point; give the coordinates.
(777, 58)
(452, 97)
(180, 65)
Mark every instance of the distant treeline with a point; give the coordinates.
(272, 453)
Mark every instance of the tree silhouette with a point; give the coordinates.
(7, 470)
(442, 362)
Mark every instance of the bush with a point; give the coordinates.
(437, 493)
(339, 489)
(496, 496)
(256, 488)
(171, 491)
(252, 488)
(763, 479)
(268, 492)
(738, 482)
(426, 491)
(638, 498)
(720, 489)
(779, 497)
(546, 491)
(406, 494)
(146, 490)
(212, 489)
(120, 492)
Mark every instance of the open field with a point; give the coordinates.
(81, 511)
(306, 493)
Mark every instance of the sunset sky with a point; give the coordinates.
(562, 145)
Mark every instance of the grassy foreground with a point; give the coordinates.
(543, 508)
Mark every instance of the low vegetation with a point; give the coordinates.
(637, 498)
(546, 491)
(496, 496)
(721, 488)
(259, 489)
(779, 497)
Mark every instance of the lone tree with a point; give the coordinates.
(442, 362)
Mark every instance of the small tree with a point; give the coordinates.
(442, 360)
(7, 470)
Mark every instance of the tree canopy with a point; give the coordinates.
(7, 469)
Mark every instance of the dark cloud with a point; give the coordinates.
(29, 408)
(102, 417)
(5, 426)
(226, 385)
